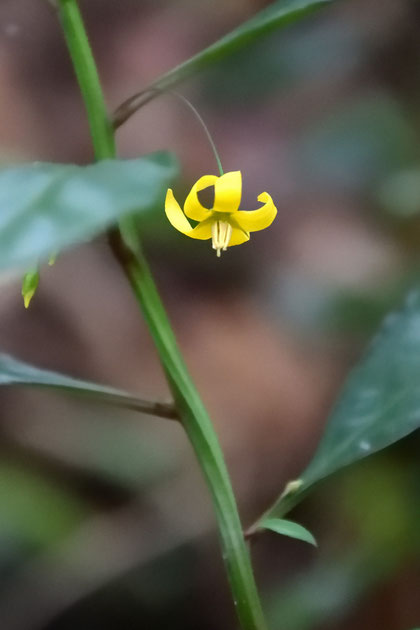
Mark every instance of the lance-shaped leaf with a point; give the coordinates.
(45, 208)
(288, 528)
(379, 405)
(275, 15)
(15, 372)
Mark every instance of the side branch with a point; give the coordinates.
(132, 104)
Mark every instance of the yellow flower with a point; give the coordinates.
(225, 224)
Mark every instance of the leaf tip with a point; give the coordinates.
(27, 299)
(29, 286)
(290, 529)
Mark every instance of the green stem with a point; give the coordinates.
(127, 247)
(201, 434)
(87, 76)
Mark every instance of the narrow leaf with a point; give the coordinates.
(379, 405)
(277, 14)
(288, 528)
(45, 208)
(15, 372)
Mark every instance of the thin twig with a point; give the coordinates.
(124, 401)
(132, 104)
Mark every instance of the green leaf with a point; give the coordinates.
(288, 528)
(48, 207)
(35, 509)
(276, 15)
(379, 405)
(29, 286)
(15, 372)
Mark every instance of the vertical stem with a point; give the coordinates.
(201, 434)
(87, 76)
(127, 248)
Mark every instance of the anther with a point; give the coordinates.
(221, 232)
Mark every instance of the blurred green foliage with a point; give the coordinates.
(370, 535)
(355, 147)
(35, 510)
(379, 404)
(48, 207)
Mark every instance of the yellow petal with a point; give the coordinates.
(175, 215)
(254, 220)
(202, 231)
(228, 192)
(177, 218)
(192, 207)
(238, 237)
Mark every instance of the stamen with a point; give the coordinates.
(221, 232)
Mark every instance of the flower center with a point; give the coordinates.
(221, 232)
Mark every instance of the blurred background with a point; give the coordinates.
(104, 519)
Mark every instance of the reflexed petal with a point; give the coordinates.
(192, 207)
(175, 215)
(254, 220)
(177, 218)
(202, 231)
(238, 237)
(228, 192)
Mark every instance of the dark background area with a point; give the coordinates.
(104, 519)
